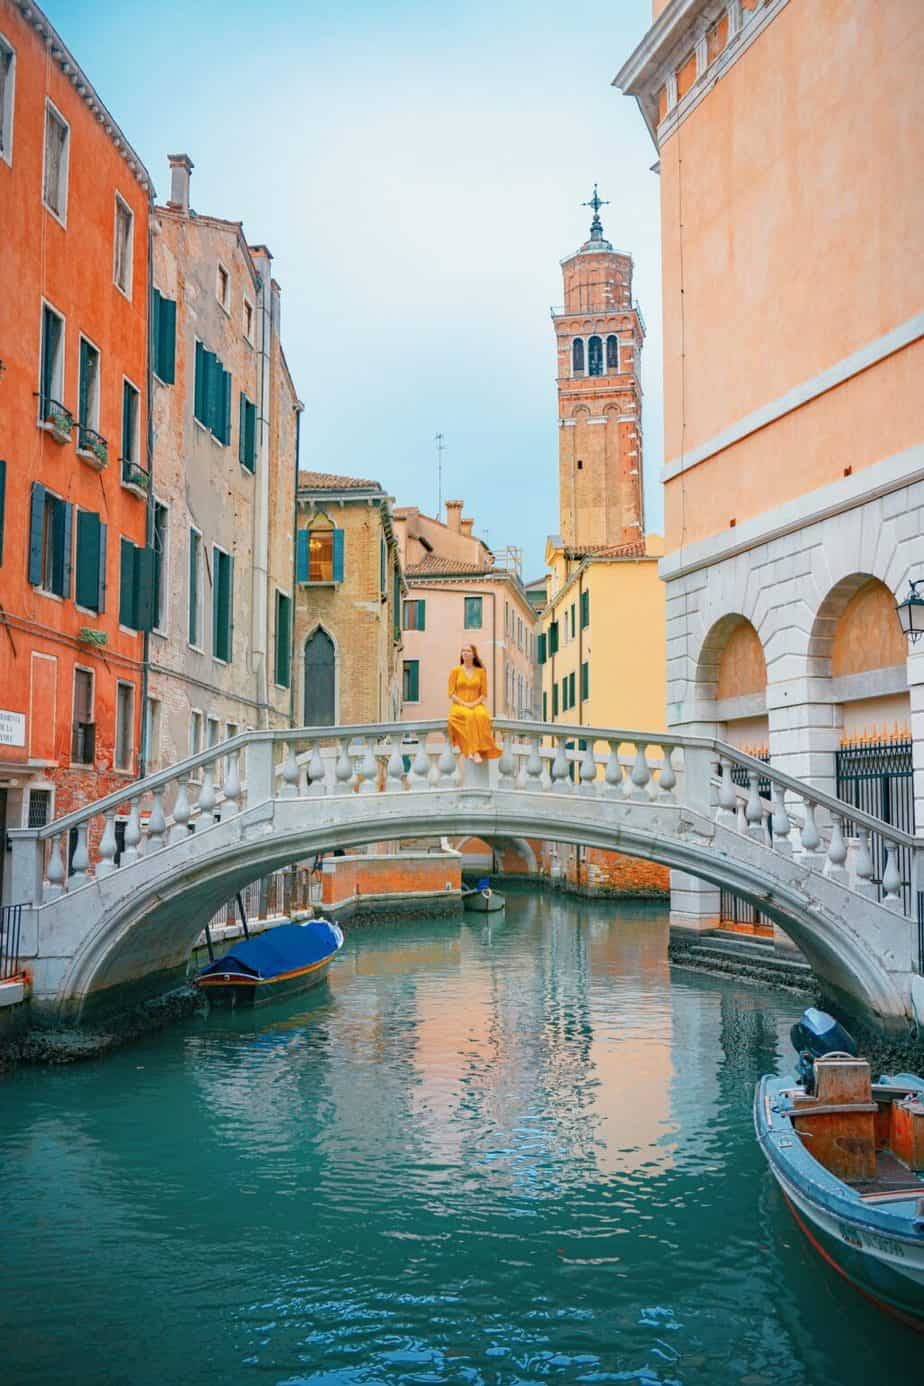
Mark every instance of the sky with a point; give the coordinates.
(417, 171)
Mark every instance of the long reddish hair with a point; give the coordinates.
(476, 657)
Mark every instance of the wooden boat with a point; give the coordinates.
(483, 900)
(287, 959)
(848, 1155)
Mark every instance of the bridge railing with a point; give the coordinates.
(415, 757)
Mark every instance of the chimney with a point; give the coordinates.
(454, 516)
(181, 166)
(466, 527)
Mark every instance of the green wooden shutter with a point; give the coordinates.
(225, 408)
(165, 338)
(396, 604)
(193, 589)
(101, 571)
(126, 422)
(383, 581)
(37, 515)
(415, 680)
(155, 328)
(302, 555)
(421, 615)
(2, 502)
(127, 584)
(554, 699)
(144, 594)
(572, 699)
(283, 639)
(242, 431)
(338, 555)
(222, 583)
(541, 648)
(585, 610)
(211, 369)
(585, 680)
(545, 707)
(64, 515)
(252, 434)
(199, 408)
(83, 388)
(86, 590)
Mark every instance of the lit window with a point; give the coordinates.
(7, 83)
(122, 254)
(321, 555)
(54, 178)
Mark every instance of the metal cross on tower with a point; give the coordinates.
(596, 226)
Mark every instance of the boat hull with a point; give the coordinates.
(249, 991)
(478, 903)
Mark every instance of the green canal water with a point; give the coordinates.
(503, 1152)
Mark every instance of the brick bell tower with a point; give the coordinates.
(599, 334)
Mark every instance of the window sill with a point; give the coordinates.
(139, 491)
(91, 459)
(44, 592)
(251, 471)
(126, 774)
(126, 293)
(319, 582)
(61, 220)
(57, 433)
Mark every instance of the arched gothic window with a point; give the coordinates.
(577, 356)
(612, 353)
(595, 356)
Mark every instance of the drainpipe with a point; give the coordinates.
(260, 575)
(149, 515)
(299, 409)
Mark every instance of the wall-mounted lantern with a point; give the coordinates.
(910, 612)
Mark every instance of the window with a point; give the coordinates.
(585, 680)
(39, 808)
(545, 707)
(577, 356)
(212, 732)
(125, 726)
(7, 86)
(411, 681)
(195, 732)
(50, 542)
(283, 640)
(473, 607)
(152, 735)
(585, 610)
(415, 615)
(51, 385)
(231, 729)
(247, 435)
(83, 739)
(223, 288)
(553, 638)
(136, 586)
(222, 598)
(319, 555)
(130, 425)
(573, 620)
(248, 321)
(571, 698)
(122, 251)
(88, 397)
(541, 648)
(554, 699)
(212, 397)
(564, 694)
(54, 174)
(90, 585)
(612, 353)
(519, 633)
(159, 518)
(195, 588)
(163, 322)
(595, 356)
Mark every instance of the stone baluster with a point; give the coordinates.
(80, 865)
(314, 772)
(233, 791)
(157, 823)
(667, 778)
(534, 765)
(132, 849)
(394, 781)
(343, 769)
(446, 766)
(368, 770)
(810, 837)
(506, 767)
(754, 809)
(641, 774)
(179, 832)
(207, 799)
(837, 853)
(561, 783)
(290, 774)
(57, 876)
(892, 879)
(420, 768)
(863, 865)
(107, 847)
(781, 823)
(588, 780)
(612, 775)
(741, 822)
(727, 811)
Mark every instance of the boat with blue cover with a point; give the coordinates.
(287, 959)
(482, 899)
(848, 1155)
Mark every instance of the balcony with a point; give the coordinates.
(56, 419)
(92, 447)
(135, 478)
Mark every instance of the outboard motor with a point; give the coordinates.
(817, 1033)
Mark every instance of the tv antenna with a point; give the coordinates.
(440, 449)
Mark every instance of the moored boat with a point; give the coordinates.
(483, 900)
(279, 962)
(848, 1155)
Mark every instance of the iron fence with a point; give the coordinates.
(878, 777)
(732, 909)
(10, 930)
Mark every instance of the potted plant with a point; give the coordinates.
(60, 421)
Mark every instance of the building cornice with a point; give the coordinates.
(61, 54)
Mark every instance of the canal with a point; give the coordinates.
(503, 1152)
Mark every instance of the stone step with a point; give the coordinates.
(723, 952)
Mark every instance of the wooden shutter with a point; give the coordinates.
(252, 434)
(571, 697)
(585, 680)
(36, 517)
(101, 571)
(193, 631)
(2, 502)
(165, 341)
(283, 640)
(225, 407)
(421, 615)
(144, 581)
(210, 369)
(414, 680)
(554, 699)
(541, 645)
(302, 555)
(585, 610)
(201, 390)
(64, 514)
(383, 581)
(86, 591)
(127, 584)
(242, 431)
(338, 555)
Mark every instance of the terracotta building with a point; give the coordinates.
(601, 630)
(792, 211)
(75, 569)
(349, 588)
(459, 592)
(225, 427)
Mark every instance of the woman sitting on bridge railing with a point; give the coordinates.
(469, 720)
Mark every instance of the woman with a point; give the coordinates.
(469, 719)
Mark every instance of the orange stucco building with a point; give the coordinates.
(74, 208)
(790, 140)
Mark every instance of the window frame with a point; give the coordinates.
(92, 421)
(52, 109)
(406, 666)
(578, 371)
(160, 624)
(245, 304)
(91, 720)
(58, 383)
(136, 440)
(611, 337)
(196, 718)
(473, 597)
(8, 115)
(224, 303)
(124, 289)
(48, 554)
(152, 724)
(124, 769)
(199, 589)
(225, 553)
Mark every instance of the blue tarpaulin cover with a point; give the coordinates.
(283, 949)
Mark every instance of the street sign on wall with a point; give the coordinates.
(12, 728)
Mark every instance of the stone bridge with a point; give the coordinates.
(105, 927)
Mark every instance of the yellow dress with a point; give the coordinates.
(470, 727)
